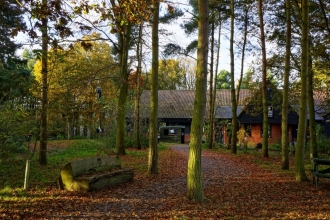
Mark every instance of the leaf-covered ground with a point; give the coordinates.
(234, 187)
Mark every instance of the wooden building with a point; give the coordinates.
(175, 108)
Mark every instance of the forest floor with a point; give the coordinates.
(245, 186)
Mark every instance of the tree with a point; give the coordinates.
(216, 9)
(299, 156)
(212, 114)
(153, 132)
(188, 66)
(15, 79)
(285, 105)
(11, 22)
(30, 58)
(44, 88)
(122, 15)
(247, 80)
(311, 109)
(211, 92)
(47, 17)
(73, 76)
(224, 80)
(234, 121)
(194, 181)
(123, 44)
(138, 89)
(246, 7)
(264, 81)
(153, 124)
(171, 75)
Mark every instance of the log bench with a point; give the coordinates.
(93, 173)
(320, 173)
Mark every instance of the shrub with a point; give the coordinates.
(15, 124)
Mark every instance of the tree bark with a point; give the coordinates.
(216, 72)
(194, 178)
(285, 103)
(299, 156)
(311, 110)
(44, 91)
(246, 21)
(264, 81)
(137, 97)
(232, 81)
(124, 40)
(153, 132)
(211, 113)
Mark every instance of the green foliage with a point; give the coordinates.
(15, 80)
(275, 146)
(11, 21)
(241, 134)
(15, 124)
(247, 80)
(170, 75)
(322, 141)
(130, 141)
(223, 80)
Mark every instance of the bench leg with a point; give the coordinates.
(316, 181)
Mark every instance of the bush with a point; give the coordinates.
(130, 141)
(275, 146)
(15, 124)
(323, 144)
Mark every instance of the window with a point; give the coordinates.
(269, 131)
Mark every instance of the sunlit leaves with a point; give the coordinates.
(74, 75)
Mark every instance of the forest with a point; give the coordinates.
(72, 71)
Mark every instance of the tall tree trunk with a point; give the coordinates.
(68, 128)
(211, 113)
(311, 110)
(264, 81)
(194, 175)
(246, 21)
(216, 70)
(88, 131)
(124, 39)
(137, 97)
(285, 103)
(153, 132)
(232, 81)
(301, 139)
(44, 92)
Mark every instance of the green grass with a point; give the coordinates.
(13, 170)
(59, 153)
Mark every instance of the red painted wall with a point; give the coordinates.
(255, 135)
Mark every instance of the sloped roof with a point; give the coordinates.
(180, 103)
(321, 103)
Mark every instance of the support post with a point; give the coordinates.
(27, 175)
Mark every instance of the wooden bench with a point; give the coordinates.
(94, 173)
(317, 173)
